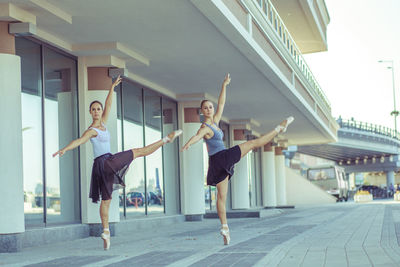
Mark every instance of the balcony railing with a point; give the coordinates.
(276, 23)
(368, 127)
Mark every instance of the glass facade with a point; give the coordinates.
(144, 117)
(49, 122)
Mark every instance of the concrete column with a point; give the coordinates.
(268, 176)
(280, 177)
(240, 180)
(171, 172)
(91, 89)
(389, 179)
(11, 177)
(192, 164)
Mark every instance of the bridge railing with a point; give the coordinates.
(368, 127)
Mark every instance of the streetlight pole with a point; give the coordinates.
(395, 112)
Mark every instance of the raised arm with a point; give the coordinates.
(77, 142)
(195, 138)
(221, 99)
(107, 106)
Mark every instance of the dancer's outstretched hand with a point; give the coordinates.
(59, 153)
(227, 79)
(185, 147)
(117, 81)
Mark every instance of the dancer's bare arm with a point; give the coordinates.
(203, 131)
(221, 99)
(77, 142)
(107, 106)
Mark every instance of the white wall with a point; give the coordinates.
(300, 191)
(11, 176)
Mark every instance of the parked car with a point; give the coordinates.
(376, 191)
(153, 199)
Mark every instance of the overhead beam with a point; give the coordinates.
(112, 47)
(56, 11)
(105, 61)
(52, 39)
(10, 12)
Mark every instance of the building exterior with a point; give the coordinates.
(56, 56)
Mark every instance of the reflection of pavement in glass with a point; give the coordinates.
(40, 210)
(152, 208)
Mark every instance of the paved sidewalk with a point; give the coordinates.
(343, 234)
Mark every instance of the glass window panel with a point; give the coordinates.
(32, 145)
(120, 144)
(133, 138)
(154, 162)
(61, 127)
(171, 159)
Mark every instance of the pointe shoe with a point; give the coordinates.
(225, 234)
(107, 240)
(281, 128)
(176, 133)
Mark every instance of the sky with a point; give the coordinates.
(360, 33)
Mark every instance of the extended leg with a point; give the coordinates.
(263, 140)
(147, 150)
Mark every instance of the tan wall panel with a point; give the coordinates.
(238, 135)
(278, 151)
(191, 115)
(7, 41)
(98, 78)
(268, 147)
(269, 49)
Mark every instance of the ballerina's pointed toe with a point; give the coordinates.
(226, 236)
(176, 134)
(107, 240)
(281, 128)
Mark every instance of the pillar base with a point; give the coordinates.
(95, 229)
(194, 217)
(285, 207)
(270, 207)
(11, 242)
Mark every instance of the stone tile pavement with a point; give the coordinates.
(342, 234)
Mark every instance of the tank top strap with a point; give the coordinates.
(93, 128)
(212, 128)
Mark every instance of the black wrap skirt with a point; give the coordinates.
(107, 174)
(221, 165)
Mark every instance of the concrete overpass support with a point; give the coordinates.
(389, 178)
